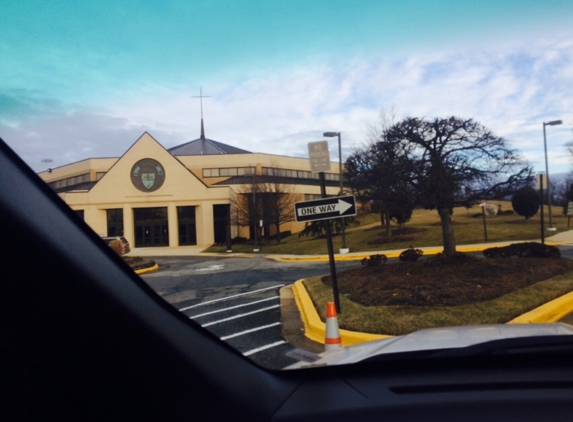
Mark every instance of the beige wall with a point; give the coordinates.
(184, 185)
(256, 160)
(91, 165)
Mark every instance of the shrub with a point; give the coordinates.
(411, 254)
(523, 250)
(116, 246)
(374, 260)
(525, 202)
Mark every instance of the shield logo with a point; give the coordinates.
(147, 175)
(148, 179)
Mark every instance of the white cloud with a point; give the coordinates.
(510, 90)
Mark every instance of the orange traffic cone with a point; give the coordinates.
(332, 339)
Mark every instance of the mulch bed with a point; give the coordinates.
(138, 263)
(439, 281)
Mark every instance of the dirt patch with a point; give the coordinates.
(437, 281)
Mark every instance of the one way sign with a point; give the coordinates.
(323, 209)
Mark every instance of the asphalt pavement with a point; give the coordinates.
(293, 329)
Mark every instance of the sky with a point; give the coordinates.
(87, 79)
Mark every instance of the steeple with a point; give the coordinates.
(201, 96)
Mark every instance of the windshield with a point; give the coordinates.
(254, 162)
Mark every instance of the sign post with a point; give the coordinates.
(319, 156)
(541, 183)
(324, 209)
(482, 205)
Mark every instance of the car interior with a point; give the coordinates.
(82, 337)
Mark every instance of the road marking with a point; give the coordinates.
(234, 307)
(252, 330)
(230, 297)
(211, 268)
(240, 316)
(260, 349)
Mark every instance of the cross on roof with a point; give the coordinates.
(201, 96)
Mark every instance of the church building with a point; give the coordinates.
(179, 196)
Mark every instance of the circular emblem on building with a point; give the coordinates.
(147, 175)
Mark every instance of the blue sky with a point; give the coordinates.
(86, 79)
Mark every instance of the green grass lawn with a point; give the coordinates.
(468, 230)
(398, 320)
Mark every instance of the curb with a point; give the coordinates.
(315, 329)
(147, 270)
(394, 254)
(552, 311)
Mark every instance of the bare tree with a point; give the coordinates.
(245, 205)
(380, 172)
(569, 146)
(456, 162)
(277, 200)
(269, 198)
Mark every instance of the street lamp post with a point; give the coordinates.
(342, 224)
(255, 213)
(552, 123)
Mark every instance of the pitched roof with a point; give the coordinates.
(204, 146)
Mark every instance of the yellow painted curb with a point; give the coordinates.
(435, 251)
(147, 270)
(550, 312)
(315, 329)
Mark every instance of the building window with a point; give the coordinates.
(80, 213)
(228, 171)
(299, 174)
(151, 227)
(241, 171)
(187, 226)
(115, 222)
(70, 181)
(312, 196)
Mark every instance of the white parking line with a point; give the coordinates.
(252, 330)
(239, 316)
(234, 307)
(260, 349)
(230, 297)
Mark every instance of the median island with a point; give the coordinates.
(396, 299)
